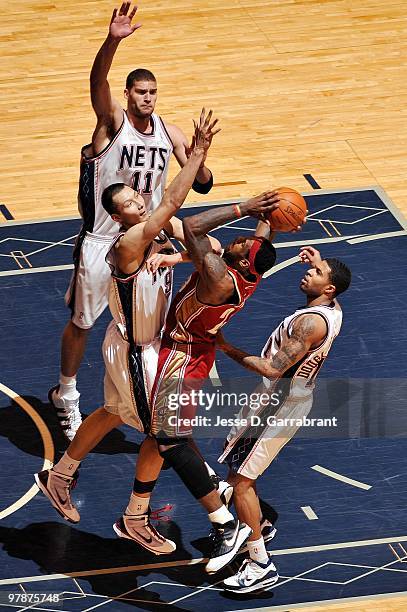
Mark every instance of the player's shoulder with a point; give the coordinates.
(176, 134)
(311, 323)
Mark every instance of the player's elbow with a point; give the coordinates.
(190, 226)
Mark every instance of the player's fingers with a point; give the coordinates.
(133, 12)
(208, 118)
(212, 125)
(113, 15)
(202, 117)
(216, 132)
(122, 8)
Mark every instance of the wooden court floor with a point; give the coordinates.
(301, 88)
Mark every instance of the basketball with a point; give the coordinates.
(291, 210)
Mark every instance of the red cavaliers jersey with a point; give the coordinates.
(190, 321)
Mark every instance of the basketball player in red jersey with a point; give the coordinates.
(131, 146)
(213, 294)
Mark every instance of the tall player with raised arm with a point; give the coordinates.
(131, 146)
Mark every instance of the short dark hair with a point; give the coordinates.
(107, 197)
(140, 74)
(265, 257)
(340, 275)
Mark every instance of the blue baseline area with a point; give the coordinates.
(371, 347)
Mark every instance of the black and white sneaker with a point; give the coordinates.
(268, 531)
(252, 576)
(67, 411)
(225, 491)
(226, 542)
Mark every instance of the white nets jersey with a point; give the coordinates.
(139, 302)
(136, 159)
(300, 378)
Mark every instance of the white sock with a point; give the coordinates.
(257, 550)
(67, 387)
(221, 516)
(66, 465)
(137, 505)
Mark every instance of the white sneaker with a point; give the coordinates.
(252, 576)
(67, 411)
(226, 541)
(225, 491)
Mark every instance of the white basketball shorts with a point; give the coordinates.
(88, 292)
(251, 448)
(129, 378)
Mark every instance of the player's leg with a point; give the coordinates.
(87, 297)
(135, 523)
(133, 371)
(228, 534)
(57, 482)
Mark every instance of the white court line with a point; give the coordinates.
(309, 513)
(281, 265)
(35, 270)
(339, 205)
(37, 241)
(350, 481)
(365, 238)
(151, 566)
(61, 242)
(350, 222)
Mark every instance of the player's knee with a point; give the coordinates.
(76, 330)
(241, 484)
(188, 465)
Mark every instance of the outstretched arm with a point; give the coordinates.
(211, 267)
(204, 181)
(308, 330)
(181, 184)
(107, 109)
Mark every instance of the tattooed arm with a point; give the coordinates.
(309, 330)
(216, 284)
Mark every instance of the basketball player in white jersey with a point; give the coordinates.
(289, 363)
(139, 299)
(131, 146)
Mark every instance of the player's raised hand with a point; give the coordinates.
(309, 255)
(120, 23)
(261, 206)
(204, 131)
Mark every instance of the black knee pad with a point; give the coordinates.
(189, 467)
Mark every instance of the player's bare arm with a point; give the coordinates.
(108, 111)
(309, 330)
(216, 284)
(182, 149)
(137, 238)
(175, 230)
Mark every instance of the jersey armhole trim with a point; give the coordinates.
(103, 151)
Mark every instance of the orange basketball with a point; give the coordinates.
(291, 210)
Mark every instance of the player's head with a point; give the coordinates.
(124, 205)
(141, 93)
(329, 278)
(250, 255)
